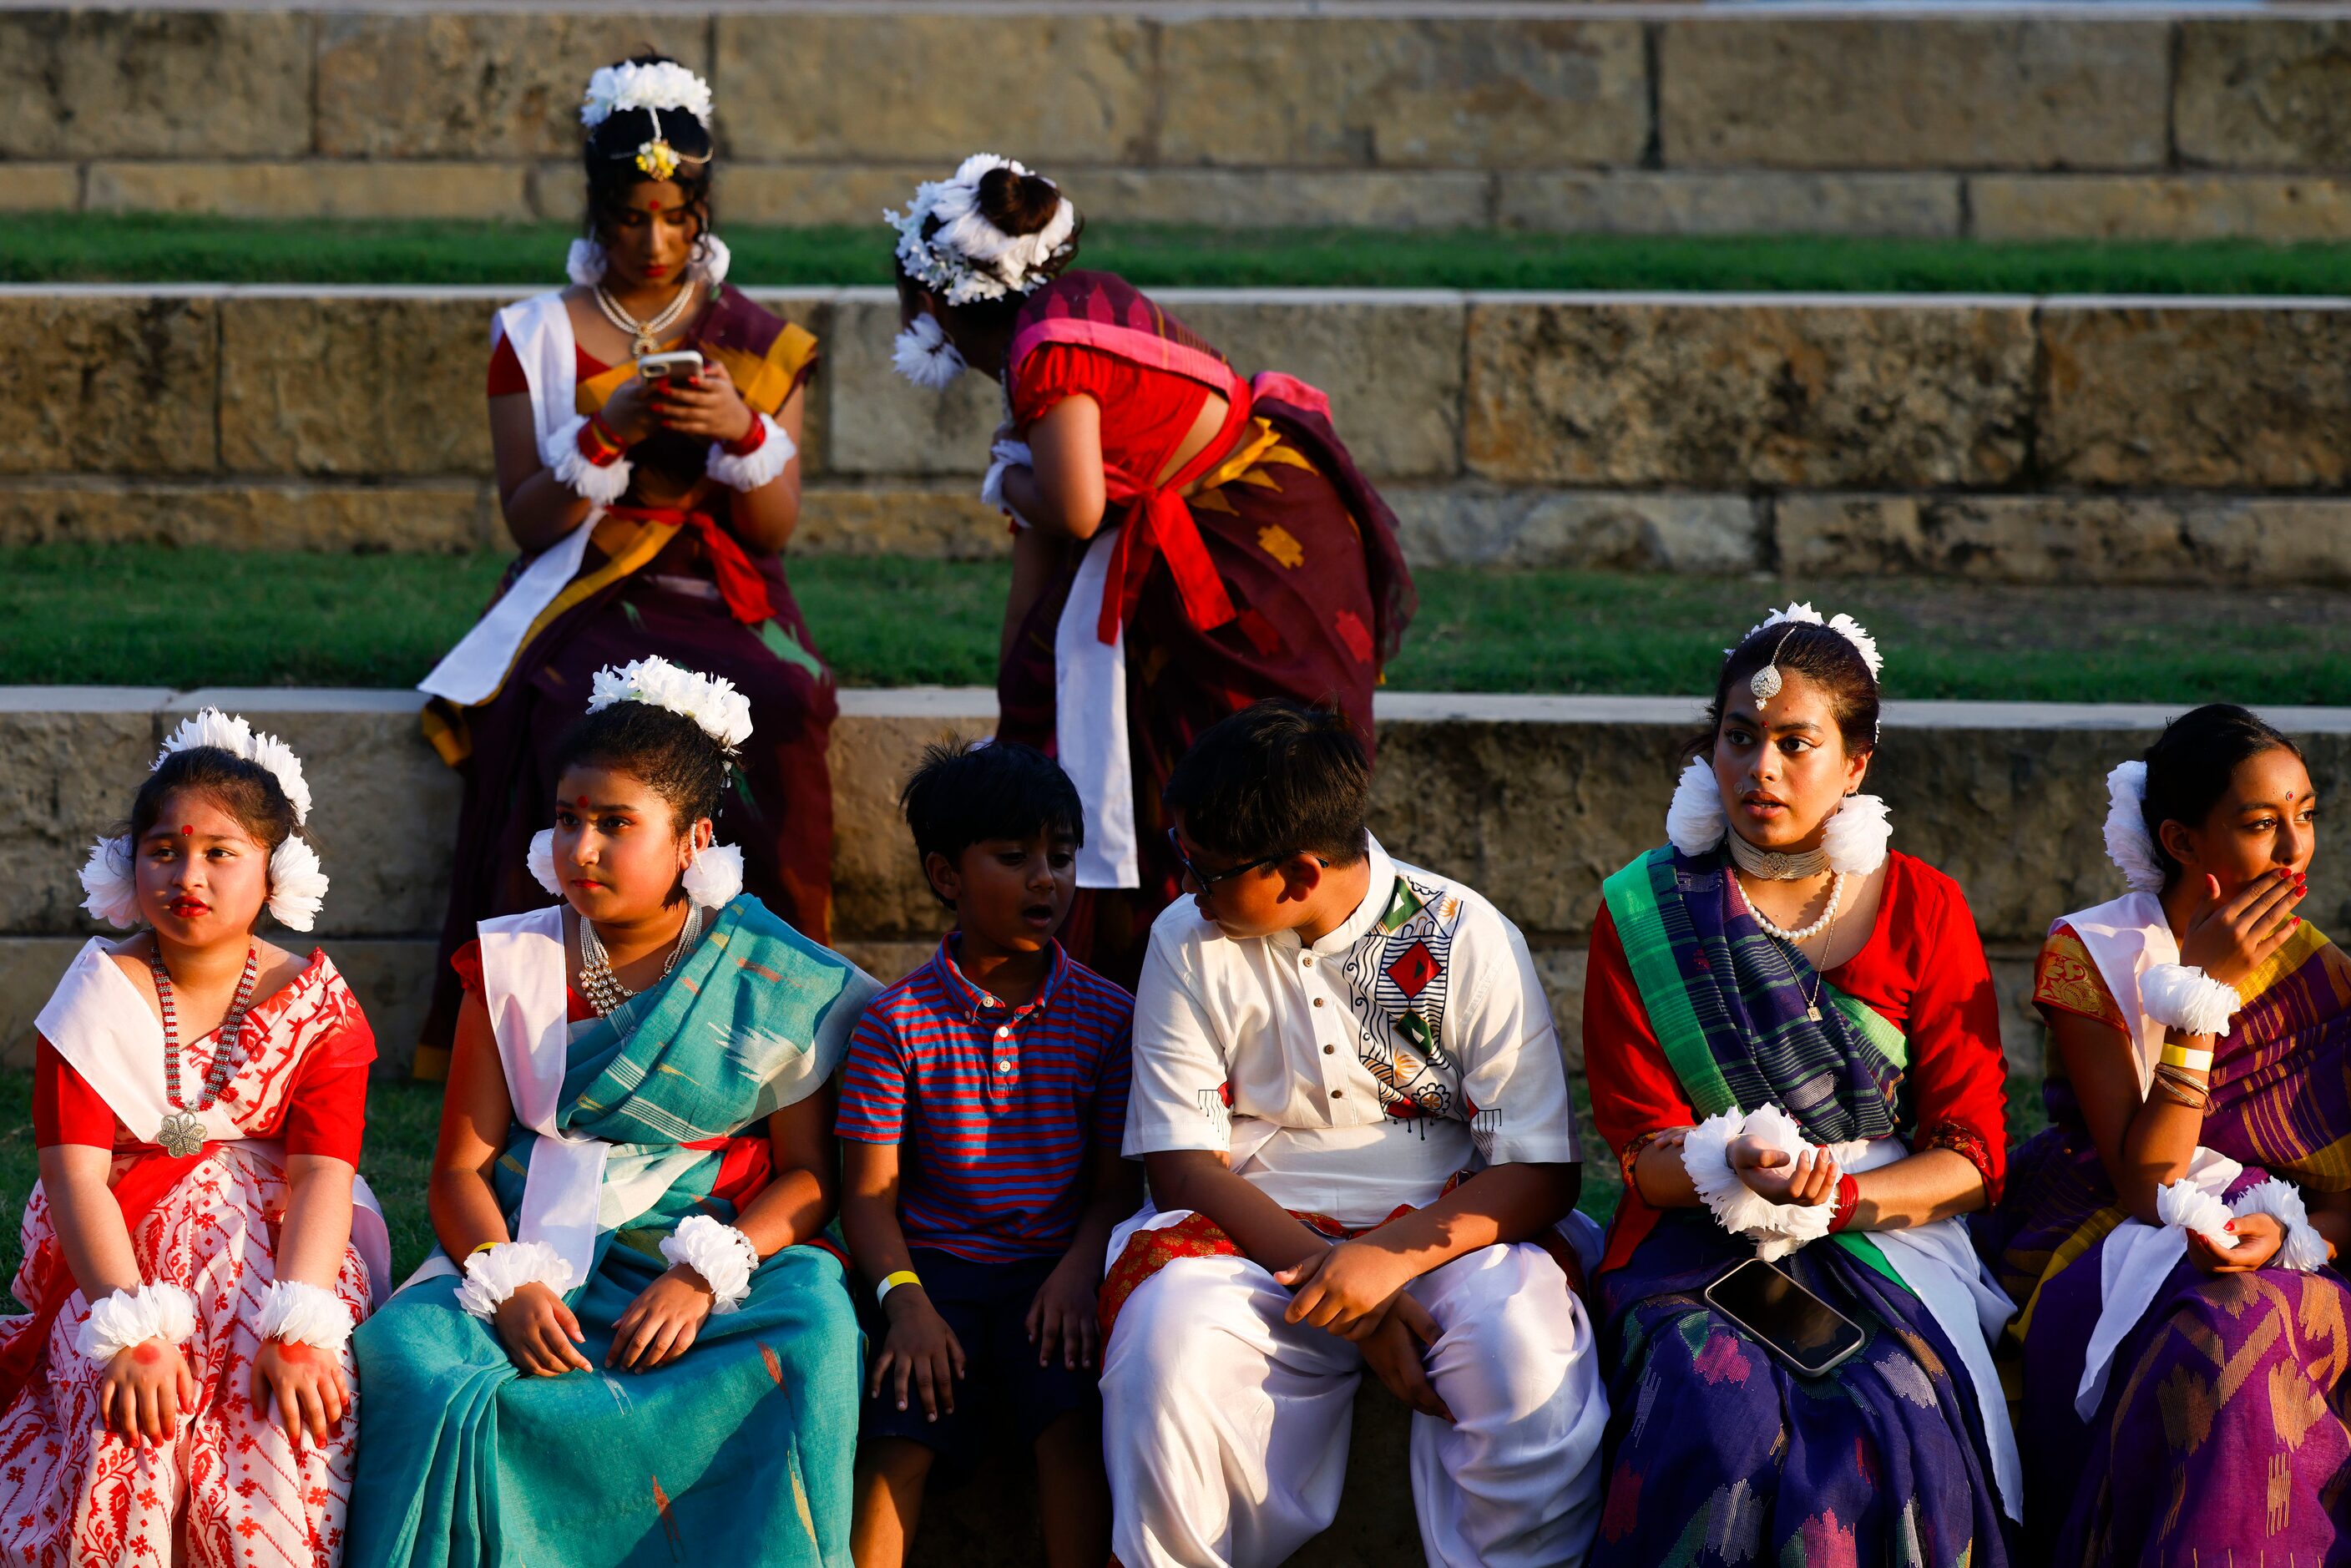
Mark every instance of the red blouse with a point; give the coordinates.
(468, 962)
(1923, 970)
(1145, 414)
(506, 368)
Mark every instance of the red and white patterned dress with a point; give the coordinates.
(231, 1490)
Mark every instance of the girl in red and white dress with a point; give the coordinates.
(200, 1244)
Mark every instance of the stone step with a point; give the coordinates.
(2191, 121)
(1533, 800)
(2063, 438)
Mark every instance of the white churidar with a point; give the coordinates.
(116, 1322)
(720, 1253)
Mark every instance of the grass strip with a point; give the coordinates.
(55, 247)
(152, 615)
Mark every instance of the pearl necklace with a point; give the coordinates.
(1794, 938)
(644, 336)
(601, 986)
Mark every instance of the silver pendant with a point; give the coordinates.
(181, 1135)
(1765, 683)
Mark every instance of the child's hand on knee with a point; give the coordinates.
(146, 1389)
(306, 1385)
(1345, 1289)
(661, 1324)
(540, 1333)
(1064, 1312)
(1392, 1350)
(920, 1348)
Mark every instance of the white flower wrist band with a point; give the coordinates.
(296, 1313)
(2180, 996)
(2192, 1209)
(1777, 1228)
(126, 1318)
(721, 1254)
(748, 470)
(496, 1273)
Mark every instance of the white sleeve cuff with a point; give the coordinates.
(493, 1276)
(1777, 1228)
(126, 1318)
(604, 483)
(755, 468)
(721, 1254)
(305, 1314)
(2182, 997)
(2304, 1249)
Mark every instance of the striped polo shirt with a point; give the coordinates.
(997, 1109)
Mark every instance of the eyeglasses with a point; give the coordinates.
(1208, 879)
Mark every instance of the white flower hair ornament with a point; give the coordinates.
(962, 257)
(297, 885)
(924, 356)
(2129, 843)
(659, 88)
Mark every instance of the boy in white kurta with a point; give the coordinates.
(1349, 1095)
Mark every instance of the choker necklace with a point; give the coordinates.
(182, 1132)
(1773, 866)
(644, 336)
(599, 985)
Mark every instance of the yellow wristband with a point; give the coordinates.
(485, 1247)
(2180, 1056)
(892, 1281)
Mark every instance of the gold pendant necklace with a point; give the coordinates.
(644, 336)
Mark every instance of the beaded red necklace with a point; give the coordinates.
(182, 1132)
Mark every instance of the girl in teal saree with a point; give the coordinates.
(648, 1352)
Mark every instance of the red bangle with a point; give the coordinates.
(598, 444)
(1848, 1194)
(750, 441)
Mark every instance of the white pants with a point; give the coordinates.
(1225, 1429)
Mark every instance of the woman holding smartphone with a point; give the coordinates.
(646, 424)
(1793, 1047)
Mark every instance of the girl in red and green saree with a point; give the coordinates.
(1793, 1047)
(1187, 541)
(649, 513)
(2183, 1342)
(648, 1354)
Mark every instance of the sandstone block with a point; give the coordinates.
(1589, 530)
(229, 516)
(2275, 209)
(41, 188)
(155, 84)
(443, 85)
(2266, 92)
(878, 890)
(107, 384)
(880, 424)
(802, 194)
(1635, 202)
(1428, 92)
(1803, 391)
(354, 385)
(942, 523)
(2152, 539)
(67, 782)
(393, 978)
(314, 188)
(1895, 91)
(1051, 88)
(2203, 396)
(1263, 198)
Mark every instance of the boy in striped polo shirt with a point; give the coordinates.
(982, 1103)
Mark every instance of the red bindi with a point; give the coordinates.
(582, 802)
(186, 831)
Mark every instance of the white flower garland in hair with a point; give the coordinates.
(1844, 626)
(298, 886)
(2129, 843)
(922, 355)
(714, 878)
(965, 258)
(662, 85)
(1855, 836)
(720, 711)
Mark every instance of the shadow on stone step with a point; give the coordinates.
(990, 1519)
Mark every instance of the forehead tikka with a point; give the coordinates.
(1766, 682)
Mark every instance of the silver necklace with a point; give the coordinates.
(182, 1132)
(644, 336)
(1796, 940)
(1774, 866)
(601, 986)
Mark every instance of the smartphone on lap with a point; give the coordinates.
(1807, 1335)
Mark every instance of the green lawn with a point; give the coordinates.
(147, 615)
(159, 248)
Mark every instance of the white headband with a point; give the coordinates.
(297, 885)
(1844, 626)
(965, 258)
(665, 85)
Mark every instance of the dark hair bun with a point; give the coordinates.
(1018, 204)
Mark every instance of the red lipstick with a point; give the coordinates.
(189, 908)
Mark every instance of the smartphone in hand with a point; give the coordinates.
(679, 367)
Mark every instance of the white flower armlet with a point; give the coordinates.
(600, 482)
(2304, 1249)
(126, 1318)
(756, 468)
(298, 1313)
(1778, 1229)
(493, 1276)
(2182, 997)
(721, 1254)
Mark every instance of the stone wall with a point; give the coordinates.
(1532, 799)
(1593, 118)
(2027, 440)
